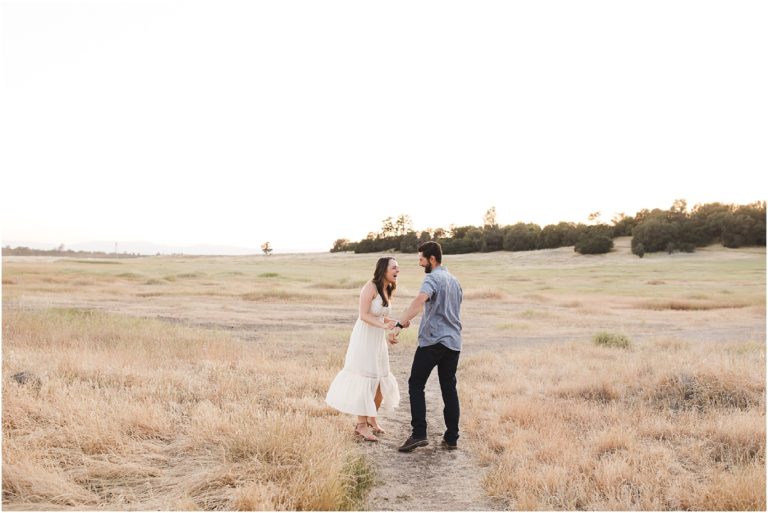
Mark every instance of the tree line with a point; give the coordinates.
(675, 229)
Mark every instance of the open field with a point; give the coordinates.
(198, 383)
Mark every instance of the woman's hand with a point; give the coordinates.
(389, 324)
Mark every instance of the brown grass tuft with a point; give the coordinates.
(706, 391)
(686, 305)
(486, 294)
(601, 392)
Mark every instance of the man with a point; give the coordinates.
(439, 345)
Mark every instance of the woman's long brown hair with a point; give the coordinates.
(378, 279)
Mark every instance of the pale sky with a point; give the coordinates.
(300, 122)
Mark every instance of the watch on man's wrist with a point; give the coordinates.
(398, 325)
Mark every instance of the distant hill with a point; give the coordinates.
(134, 248)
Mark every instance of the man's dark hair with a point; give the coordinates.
(432, 248)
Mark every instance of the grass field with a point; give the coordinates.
(198, 383)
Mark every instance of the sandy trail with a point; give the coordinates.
(429, 478)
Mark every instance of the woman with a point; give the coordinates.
(365, 383)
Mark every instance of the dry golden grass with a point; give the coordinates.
(661, 426)
(138, 414)
(134, 413)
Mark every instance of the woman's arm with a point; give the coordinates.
(366, 296)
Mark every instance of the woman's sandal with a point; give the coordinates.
(377, 430)
(367, 438)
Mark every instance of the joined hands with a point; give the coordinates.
(392, 335)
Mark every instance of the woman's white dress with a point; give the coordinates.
(366, 367)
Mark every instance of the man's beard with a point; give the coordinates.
(428, 268)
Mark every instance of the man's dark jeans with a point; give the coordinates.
(446, 360)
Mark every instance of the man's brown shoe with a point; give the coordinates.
(445, 444)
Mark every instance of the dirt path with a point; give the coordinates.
(429, 478)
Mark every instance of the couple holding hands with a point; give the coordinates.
(365, 383)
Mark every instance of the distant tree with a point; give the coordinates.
(551, 236)
(266, 248)
(403, 224)
(409, 242)
(752, 219)
(594, 216)
(489, 219)
(560, 235)
(522, 237)
(622, 225)
(704, 225)
(340, 245)
(593, 244)
(654, 234)
(679, 206)
(366, 245)
(475, 237)
(388, 227)
(734, 229)
(458, 232)
(493, 238)
(453, 246)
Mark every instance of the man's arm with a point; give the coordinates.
(414, 308)
(412, 311)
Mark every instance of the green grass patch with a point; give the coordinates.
(535, 314)
(607, 339)
(277, 295)
(513, 326)
(74, 313)
(129, 276)
(360, 477)
(343, 283)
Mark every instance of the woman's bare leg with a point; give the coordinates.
(377, 400)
